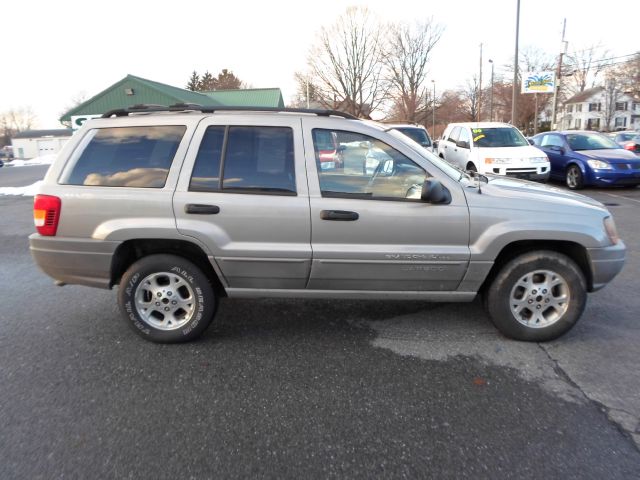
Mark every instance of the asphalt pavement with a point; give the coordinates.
(292, 388)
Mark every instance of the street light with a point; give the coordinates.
(433, 107)
(491, 94)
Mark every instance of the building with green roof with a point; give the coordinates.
(132, 90)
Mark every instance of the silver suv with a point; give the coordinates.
(180, 206)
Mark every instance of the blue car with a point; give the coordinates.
(588, 158)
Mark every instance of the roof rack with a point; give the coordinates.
(183, 107)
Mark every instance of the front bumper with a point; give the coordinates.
(605, 263)
(616, 177)
(74, 261)
(538, 173)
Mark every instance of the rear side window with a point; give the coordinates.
(127, 157)
(249, 160)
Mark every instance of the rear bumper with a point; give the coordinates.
(606, 263)
(74, 261)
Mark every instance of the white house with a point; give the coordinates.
(33, 143)
(590, 110)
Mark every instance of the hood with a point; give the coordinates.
(611, 155)
(527, 151)
(532, 195)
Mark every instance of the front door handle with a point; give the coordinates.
(200, 209)
(339, 215)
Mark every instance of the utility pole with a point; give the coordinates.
(514, 93)
(480, 87)
(433, 110)
(563, 50)
(491, 94)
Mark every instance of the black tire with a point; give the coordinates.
(162, 282)
(573, 178)
(540, 318)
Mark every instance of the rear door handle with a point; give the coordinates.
(339, 215)
(200, 209)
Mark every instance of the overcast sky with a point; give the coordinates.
(55, 51)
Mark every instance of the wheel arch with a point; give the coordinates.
(132, 250)
(573, 250)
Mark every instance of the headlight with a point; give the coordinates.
(497, 161)
(539, 160)
(610, 228)
(599, 164)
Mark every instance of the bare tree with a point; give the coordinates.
(406, 58)
(470, 96)
(14, 121)
(78, 99)
(347, 63)
(306, 89)
(584, 66)
(611, 94)
(629, 74)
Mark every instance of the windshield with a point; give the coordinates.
(625, 137)
(418, 135)
(590, 141)
(437, 161)
(498, 137)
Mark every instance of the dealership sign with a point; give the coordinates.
(78, 120)
(539, 82)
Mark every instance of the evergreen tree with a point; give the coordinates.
(226, 80)
(207, 82)
(194, 82)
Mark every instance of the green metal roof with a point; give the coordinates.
(250, 97)
(150, 92)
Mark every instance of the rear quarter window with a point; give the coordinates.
(126, 157)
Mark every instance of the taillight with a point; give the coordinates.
(630, 146)
(46, 213)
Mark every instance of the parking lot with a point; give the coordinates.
(286, 388)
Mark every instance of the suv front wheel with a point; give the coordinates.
(537, 296)
(166, 299)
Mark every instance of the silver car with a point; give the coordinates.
(180, 206)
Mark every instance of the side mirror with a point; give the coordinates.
(435, 144)
(531, 142)
(434, 192)
(462, 144)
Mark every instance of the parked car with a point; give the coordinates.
(181, 207)
(581, 158)
(622, 137)
(492, 148)
(417, 133)
(633, 145)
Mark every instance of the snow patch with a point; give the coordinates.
(41, 160)
(28, 191)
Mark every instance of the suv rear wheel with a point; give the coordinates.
(537, 296)
(166, 299)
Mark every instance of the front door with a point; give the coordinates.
(370, 230)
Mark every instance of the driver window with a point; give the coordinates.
(352, 165)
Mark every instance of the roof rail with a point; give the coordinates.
(182, 107)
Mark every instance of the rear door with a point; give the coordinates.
(243, 194)
(370, 230)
